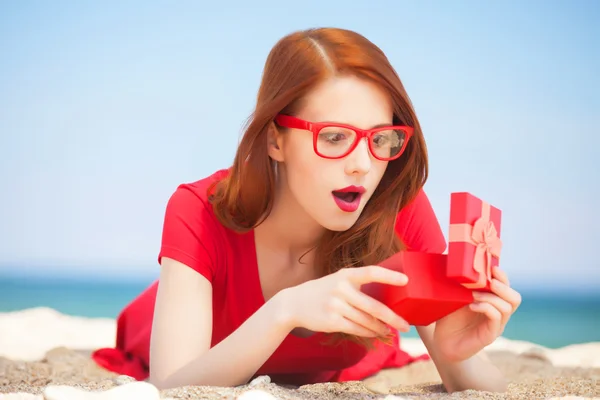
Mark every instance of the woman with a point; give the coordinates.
(261, 262)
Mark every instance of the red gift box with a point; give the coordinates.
(474, 241)
(429, 294)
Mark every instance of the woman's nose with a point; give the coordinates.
(359, 161)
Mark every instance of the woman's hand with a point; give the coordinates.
(335, 303)
(467, 331)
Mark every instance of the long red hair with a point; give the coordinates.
(294, 66)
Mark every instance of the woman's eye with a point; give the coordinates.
(333, 137)
(381, 140)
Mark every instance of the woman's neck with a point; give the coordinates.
(288, 228)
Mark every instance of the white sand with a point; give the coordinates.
(26, 337)
(28, 334)
(585, 355)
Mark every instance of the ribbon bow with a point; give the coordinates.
(487, 245)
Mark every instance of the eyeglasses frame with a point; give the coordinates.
(288, 121)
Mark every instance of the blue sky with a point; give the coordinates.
(105, 107)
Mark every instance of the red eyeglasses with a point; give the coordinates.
(332, 140)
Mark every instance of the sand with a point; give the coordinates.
(41, 350)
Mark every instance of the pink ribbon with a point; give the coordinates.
(483, 235)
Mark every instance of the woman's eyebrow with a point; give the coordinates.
(382, 125)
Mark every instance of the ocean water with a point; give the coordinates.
(550, 319)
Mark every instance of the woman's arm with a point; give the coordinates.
(476, 373)
(180, 352)
(457, 341)
(418, 226)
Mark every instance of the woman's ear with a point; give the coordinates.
(274, 143)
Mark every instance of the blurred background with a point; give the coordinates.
(105, 107)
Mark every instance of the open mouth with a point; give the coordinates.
(348, 197)
(347, 201)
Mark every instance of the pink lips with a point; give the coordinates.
(348, 198)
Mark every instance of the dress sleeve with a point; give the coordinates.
(418, 227)
(189, 232)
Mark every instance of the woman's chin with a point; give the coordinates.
(341, 223)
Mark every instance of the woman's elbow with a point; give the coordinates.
(500, 385)
(163, 380)
(159, 383)
(496, 385)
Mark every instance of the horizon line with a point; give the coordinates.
(149, 275)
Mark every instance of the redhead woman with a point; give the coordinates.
(262, 263)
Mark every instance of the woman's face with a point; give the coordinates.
(315, 181)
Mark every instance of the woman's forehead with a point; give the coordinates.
(347, 100)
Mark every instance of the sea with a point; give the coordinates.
(552, 319)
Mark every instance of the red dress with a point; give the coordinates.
(193, 236)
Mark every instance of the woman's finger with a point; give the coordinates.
(363, 319)
(504, 307)
(376, 309)
(492, 313)
(500, 275)
(506, 293)
(375, 274)
(351, 328)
